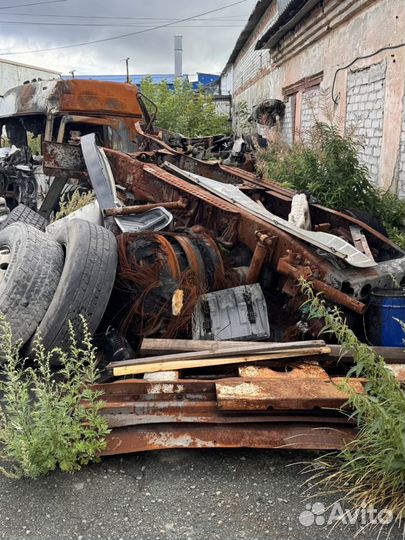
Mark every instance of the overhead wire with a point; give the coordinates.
(112, 25)
(121, 36)
(116, 17)
(34, 4)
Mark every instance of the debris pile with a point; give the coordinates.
(188, 272)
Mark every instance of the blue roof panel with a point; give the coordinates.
(207, 78)
(136, 79)
(203, 79)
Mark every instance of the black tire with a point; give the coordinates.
(24, 214)
(85, 285)
(30, 278)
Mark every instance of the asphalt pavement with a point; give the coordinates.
(181, 494)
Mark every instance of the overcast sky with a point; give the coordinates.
(207, 43)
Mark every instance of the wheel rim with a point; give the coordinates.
(5, 256)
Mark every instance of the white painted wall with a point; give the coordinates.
(13, 74)
(226, 81)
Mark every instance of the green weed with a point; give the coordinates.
(43, 421)
(373, 466)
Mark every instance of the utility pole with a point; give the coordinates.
(127, 64)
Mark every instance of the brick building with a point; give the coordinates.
(340, 59)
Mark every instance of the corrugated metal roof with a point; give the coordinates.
(254, 19)
(290, 13)
(282, 4)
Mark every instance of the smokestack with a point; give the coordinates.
(178, 56)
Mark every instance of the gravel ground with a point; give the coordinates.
(181, 494)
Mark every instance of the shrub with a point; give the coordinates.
(372, 466)
(326, 165)
(43, 421)
(184, 110)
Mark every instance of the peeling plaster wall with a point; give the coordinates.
(401, 171)
(333, 35)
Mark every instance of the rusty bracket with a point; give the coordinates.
(285, 268)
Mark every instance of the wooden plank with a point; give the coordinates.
(167, 346)
(223, 352)
(392, 355)
(280, 394)
(140, 366)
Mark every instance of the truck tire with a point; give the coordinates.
(24, 214)
(31, 264)
(85, 285)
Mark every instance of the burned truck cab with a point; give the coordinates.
(37, 114)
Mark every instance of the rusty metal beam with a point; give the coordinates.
(281, 394)
(283, 435)
(171, 412)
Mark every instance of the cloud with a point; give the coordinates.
(206, 48)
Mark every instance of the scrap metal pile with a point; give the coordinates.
(187, 272)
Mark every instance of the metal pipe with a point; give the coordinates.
(256, 264)
(140, 209)
(285, 268)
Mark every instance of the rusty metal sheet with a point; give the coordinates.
(302, 370)
(137, 387)
(183, 184)
(189, 401)
(398, 370)
(63, 159)
(281, 394)
(286, 435)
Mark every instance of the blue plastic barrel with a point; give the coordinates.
(384, 307)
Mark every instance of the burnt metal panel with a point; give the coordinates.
(74, 96)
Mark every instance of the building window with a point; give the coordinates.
(303, 96)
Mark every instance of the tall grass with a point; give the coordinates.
(373, 466)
